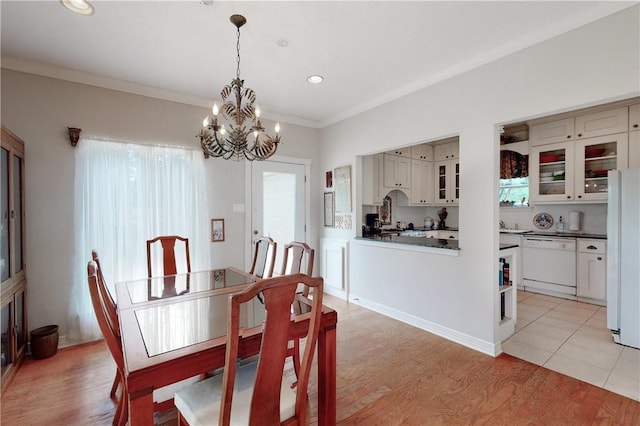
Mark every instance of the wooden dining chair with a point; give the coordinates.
(294, 254)
(264, 257)
(168, 244)
(163, 397)
(256, 393)
(109, 333)
(111, 310)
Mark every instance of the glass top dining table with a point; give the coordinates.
(175, 327)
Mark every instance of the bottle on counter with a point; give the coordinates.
(560, 225)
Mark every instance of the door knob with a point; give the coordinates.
(255, 232)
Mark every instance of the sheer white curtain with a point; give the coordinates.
(126, 194)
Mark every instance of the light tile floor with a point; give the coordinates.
(572, 338)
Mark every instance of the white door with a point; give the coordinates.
(278, 203)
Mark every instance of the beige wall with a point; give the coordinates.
(39, 110)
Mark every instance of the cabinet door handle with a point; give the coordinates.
(599, 258)
(592, 247)
(568, 196)
(579, 196)
(568, 136)
(579, 135)
(635, 126)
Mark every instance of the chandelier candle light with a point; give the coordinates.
(216, 141)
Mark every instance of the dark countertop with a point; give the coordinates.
(566, 234)
(414, 241)
(508, 246)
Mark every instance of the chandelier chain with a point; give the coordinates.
(238, 52)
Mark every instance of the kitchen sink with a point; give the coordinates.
(514, 231)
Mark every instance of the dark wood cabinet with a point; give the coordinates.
(13, 320)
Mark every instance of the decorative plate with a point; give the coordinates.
(543, 221)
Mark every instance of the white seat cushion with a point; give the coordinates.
(199, 403)
(166, 393)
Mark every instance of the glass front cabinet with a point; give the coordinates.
(13, 319)
(576, 170)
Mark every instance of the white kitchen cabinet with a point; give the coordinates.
(443, 234)
(592, 271)
(372, 180)
(634, 149)
(551, 172)
(424, 152)
(581, 127)
(594, 158)
(576, 170)
(421, 182)
(401, 152)
(602, 123)
(447, 182)
(552, 132)
(397, 172)
(634, 136)
(446, 151)
(634, 117)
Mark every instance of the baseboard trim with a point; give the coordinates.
(488, 348)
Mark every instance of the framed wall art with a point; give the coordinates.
(329, 214)
(217, 230)
(342, 182)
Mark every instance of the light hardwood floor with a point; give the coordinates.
(388, 373)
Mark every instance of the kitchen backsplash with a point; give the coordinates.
(594, 216)
(415, 215)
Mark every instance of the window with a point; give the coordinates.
(126, 194)
(514, 192)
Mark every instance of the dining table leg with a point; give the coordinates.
(327, 376)
(141, 409)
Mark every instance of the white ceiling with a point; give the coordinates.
(369, 52)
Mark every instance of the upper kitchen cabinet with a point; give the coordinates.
(421, 183)
(602, 123)
(583, 126)
(576, 171)
(372, 181)
(424, 152)
(446, 168)
(552, 132)
(397, 171)
(401, 152)
(551, 172)
(634, 117)
(634, 136)
(446, 151)
(447, 179)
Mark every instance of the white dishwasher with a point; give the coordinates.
(549, 266)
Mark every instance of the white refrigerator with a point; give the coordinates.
(623, 256)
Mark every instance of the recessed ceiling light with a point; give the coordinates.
(282, 43)
(81, 7)
(315, 79)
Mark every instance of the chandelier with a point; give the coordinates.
(245, 136)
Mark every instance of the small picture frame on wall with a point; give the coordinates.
(329, 215)
(217, 230)
(328, 176)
